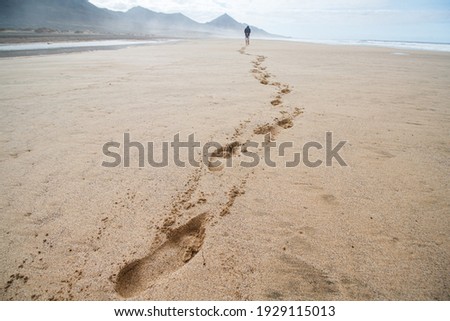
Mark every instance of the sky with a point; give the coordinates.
(407, 20)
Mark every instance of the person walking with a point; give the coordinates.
(247, 32)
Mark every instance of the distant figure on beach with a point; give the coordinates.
(247, 32)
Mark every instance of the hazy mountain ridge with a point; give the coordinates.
(226, 22)
(81, 15)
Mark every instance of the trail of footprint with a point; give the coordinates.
(185, 241)
(233, 194)
(181, 246)
(183, 201)
(261, 74)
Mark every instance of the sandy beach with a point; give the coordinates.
(377, 229)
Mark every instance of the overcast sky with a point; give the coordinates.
(421, 20)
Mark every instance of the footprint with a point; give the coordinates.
(285, 91)
(227, 151)
(261, 58)
(181, 246)
(266, 129)
(276, 102)
(273, 129)
(285, 123)
(297, 112)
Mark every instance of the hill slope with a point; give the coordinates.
(82, 15)
(227, 25)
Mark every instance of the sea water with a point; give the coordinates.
(406, 45)
(75, 44)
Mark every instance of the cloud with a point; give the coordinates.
(312, 18)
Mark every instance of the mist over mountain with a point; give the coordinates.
(81, 15)
(226, 24)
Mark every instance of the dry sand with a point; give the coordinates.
(377, 229)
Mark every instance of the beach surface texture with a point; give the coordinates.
(373, 225)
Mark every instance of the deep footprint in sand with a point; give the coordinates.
(225, 152)
(181, 246)
(285, 123)
(276, 102)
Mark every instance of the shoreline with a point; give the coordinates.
(40, 49)
(63, 43)
(11, 37)
(8, 38)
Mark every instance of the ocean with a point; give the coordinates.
(406, 45)
(38, 48)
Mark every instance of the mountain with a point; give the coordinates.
(226, 24)
(175, 20)
(81, 15)
(142, 20)
(59, 14)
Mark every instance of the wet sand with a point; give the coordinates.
(377, 229)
